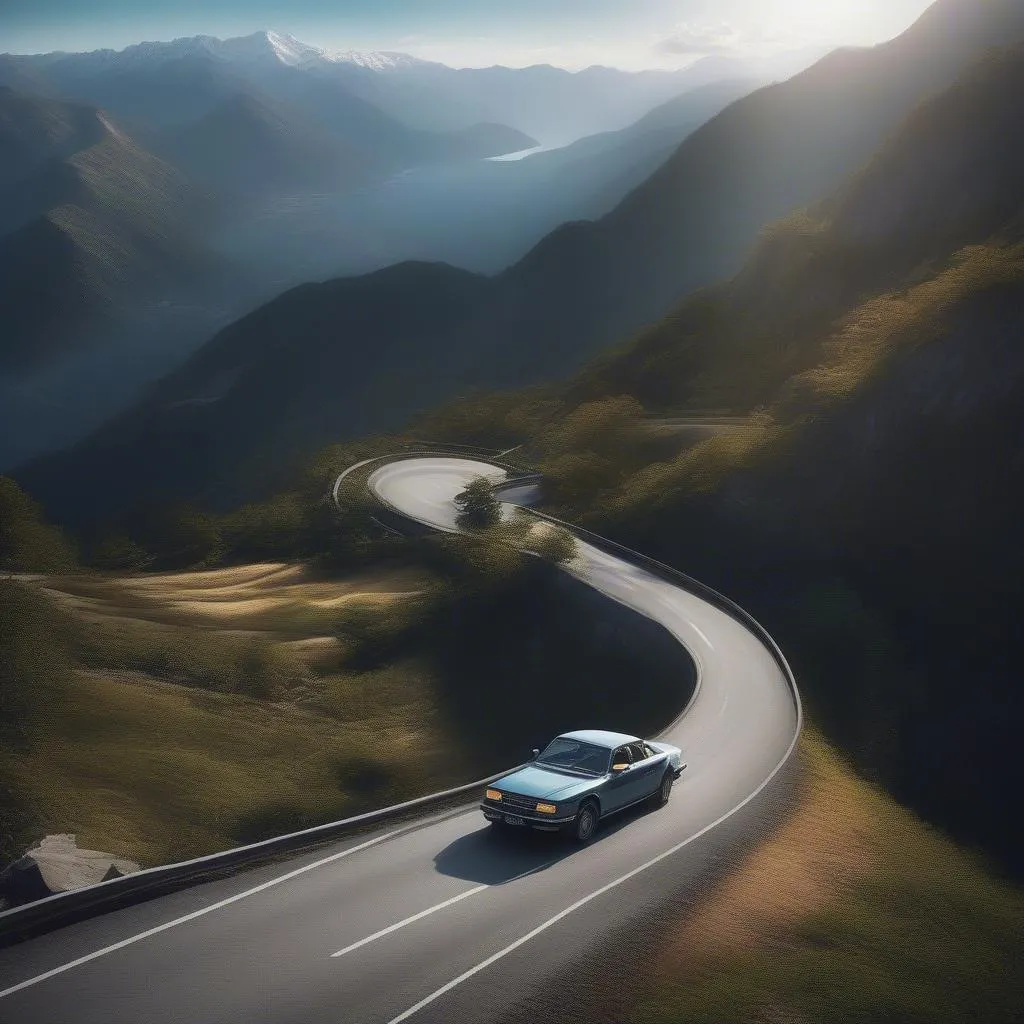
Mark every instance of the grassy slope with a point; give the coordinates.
(158, 772)
(854, 911)
(201, 709)
(857, 352)
(187, 712)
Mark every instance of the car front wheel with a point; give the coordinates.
(664, 790)
(586, 823)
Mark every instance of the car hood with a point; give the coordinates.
(534, 781)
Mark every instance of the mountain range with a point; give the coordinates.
(346, 357)
(836, 261)
(137, 191)
(155, 85)
(554, 105)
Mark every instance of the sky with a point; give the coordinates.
(569, 33)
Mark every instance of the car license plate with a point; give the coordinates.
(511, 819)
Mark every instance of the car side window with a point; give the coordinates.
(621, 756)
(638, 752)
(650, 751)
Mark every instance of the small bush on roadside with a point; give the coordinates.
(27, 543)
(119, 553)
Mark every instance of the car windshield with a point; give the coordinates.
(575, 754)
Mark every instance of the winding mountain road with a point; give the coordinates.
(438, 919)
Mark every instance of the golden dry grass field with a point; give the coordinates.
(207, 708)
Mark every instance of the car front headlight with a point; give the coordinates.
(547, 809)
(493, 794)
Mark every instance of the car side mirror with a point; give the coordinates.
(536, 753)
(619, 767)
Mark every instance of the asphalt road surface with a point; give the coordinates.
(435, 920)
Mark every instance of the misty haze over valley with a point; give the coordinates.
(275, 163)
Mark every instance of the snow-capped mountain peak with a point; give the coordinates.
(278, 46)
(374, 60)
(257, 48)
(254, 48)
(295, 53)
(290, 50)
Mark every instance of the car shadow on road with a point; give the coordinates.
(492, 856)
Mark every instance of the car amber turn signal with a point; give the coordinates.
(546, 808)
(493, 794)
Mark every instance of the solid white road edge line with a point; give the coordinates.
(217, 906)
(432, 910)
(594, 895)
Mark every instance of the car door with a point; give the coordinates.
(618, 790)
(648, 768)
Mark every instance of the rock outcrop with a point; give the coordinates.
(57, 865)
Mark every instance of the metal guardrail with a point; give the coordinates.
(694, 586)
(492, 455)
(672, 575)
(63, 908)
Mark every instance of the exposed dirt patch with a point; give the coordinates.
(271, 597)
(261, 574)
(315, 651)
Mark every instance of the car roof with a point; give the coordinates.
(601, 737)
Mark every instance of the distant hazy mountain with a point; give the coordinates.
(159, 88)
(34, 130)
(947, 179)
(603, 168)
(88, 231)
(551, 104)
(479, 214)
(368, 96)
(105, 281)
(695, 219)
(327, 361)
(250, 147)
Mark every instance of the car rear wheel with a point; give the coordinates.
(664, 790)
(586, 823)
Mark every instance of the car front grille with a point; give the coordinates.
(515, 804)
